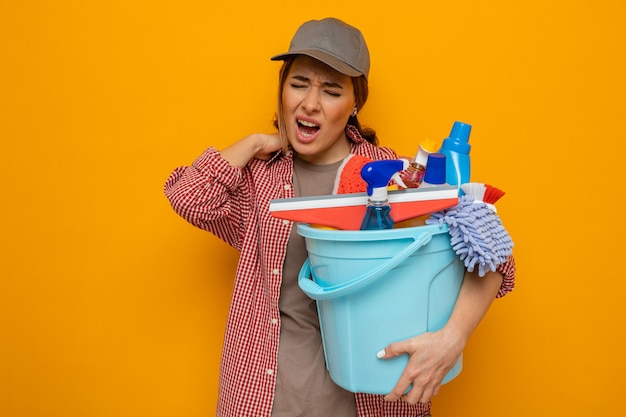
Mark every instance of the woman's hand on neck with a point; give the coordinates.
(257, 145)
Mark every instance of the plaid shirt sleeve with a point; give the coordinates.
(204, 195)
(507, 270)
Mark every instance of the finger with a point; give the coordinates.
(398, 392)
(424, 395)
(401, 387)
(416, 393)
(393, 350)
(414, 396)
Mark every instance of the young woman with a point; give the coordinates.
(273, 359)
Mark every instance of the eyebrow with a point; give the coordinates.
(326, 84)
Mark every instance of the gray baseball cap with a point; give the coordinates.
(333, 42)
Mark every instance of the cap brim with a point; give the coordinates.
(324, 57)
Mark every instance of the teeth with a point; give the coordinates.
(306, 123)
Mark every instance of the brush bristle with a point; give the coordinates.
(476, 190)
(482, 192)
(492, 194)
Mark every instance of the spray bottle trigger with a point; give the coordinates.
(396, 177)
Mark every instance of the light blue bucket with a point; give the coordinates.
(375, 287)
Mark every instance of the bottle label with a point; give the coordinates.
(457, 168)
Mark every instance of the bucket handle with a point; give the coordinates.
(317, 292)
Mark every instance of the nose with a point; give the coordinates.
(311, 101)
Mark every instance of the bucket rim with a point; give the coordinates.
(308, 231)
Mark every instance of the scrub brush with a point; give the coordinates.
(485, 193)
(476, 231)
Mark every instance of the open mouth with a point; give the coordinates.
(306, 128)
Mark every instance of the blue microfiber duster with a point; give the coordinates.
(476, 231)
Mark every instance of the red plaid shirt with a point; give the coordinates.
(233, 203)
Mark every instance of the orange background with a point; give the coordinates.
(111, 305)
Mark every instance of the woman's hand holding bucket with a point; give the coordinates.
(431, 356)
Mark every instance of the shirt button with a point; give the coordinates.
(275, 271)
(274, 321)
(270, 372)
(285, 221)
(287, 186)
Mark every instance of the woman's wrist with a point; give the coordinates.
(455, 335)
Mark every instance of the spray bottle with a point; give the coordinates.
(414, 174)
(456, 148)
(377, 175)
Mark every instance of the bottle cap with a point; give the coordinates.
(459, 138)
(429, 145)
(436, 169)
(426, 146)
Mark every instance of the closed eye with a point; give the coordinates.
(332, 88)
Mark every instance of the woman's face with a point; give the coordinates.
(317, 102)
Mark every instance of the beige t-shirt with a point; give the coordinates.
(303, 385)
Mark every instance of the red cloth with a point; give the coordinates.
(349, 178)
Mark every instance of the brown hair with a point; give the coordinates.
(361, 91)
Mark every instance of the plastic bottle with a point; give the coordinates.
(435, 170)
(414, 174)
(456, 148)
(377, 175)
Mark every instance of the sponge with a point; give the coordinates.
(348, 179)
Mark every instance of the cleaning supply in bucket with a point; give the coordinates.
(346, 207)
(377, 175)
(414, 174)
(346, 211)
(435, 170)
(476, 232)
(456, 148)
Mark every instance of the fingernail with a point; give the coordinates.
(381, 354)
